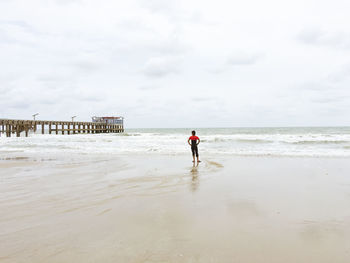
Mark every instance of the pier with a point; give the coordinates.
(16, 127)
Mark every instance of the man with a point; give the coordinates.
(193, 145)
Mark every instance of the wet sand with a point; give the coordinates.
(158, 208)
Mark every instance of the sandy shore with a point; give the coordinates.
(155, 208)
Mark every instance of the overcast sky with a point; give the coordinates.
(183, 63)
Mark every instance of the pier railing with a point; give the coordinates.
(9, 127)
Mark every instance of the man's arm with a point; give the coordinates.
(189, 141)
(198, 141)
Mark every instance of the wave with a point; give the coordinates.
(320, 142)
(245, 144)
(254, 141)
(297, 140)
(127, 134)
(235, 139)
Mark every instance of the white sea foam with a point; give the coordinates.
(235, 141)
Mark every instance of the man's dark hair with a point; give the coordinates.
(193, 132)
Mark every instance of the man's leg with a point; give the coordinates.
(198, 161)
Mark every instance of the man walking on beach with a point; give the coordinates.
(194, 144)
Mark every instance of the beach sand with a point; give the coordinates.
(159, 208)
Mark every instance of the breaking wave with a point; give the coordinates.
(232, 141)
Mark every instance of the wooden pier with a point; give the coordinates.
(9, 127)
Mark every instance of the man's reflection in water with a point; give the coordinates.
(195, 181)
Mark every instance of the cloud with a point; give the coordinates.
(52, 78)
(158, 6)
(238, 59)
(203, 99)
(318, 37)
(168, 47)
(243, 59)
(149, 87)
(330, 99)
(16, 23)
(159, 67)
(86, 65)
(322, 93)
(332, 87)
(340, 75)
(314, 86)
(311, 36)
(20, 105)
(67, 2)
(18, 32)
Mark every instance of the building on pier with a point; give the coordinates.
(109, 120)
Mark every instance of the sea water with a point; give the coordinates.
(301, 141)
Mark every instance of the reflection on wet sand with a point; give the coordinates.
(195, 177)
(214, 164)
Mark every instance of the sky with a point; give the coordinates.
(183, 63)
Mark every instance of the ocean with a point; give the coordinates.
(300, 141)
